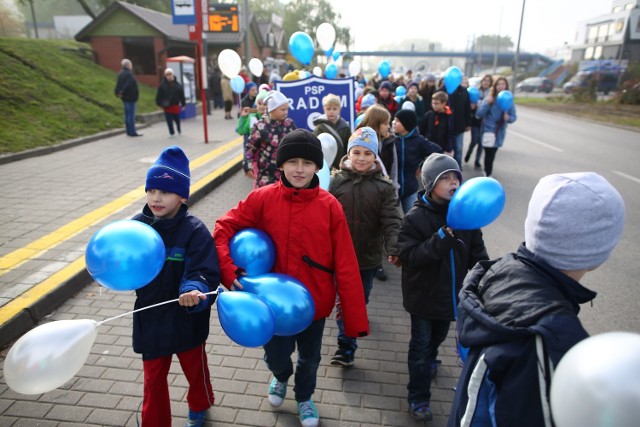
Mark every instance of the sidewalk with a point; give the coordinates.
(64, 186)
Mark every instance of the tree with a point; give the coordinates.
(11, 19)
(489, 42)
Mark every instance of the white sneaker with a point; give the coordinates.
(308, 414)
(277, 392)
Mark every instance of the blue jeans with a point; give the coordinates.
(408, 201)
(278, 351)
(367, 276)
(130, 117)
(426, 337)
(476, 141)
(457, 149)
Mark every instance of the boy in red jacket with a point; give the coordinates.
(313, 244)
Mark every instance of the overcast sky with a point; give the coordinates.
(547, 23)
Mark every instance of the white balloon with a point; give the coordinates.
(317, 71)
(354, 68)
(597, 383)
(229, 62)
(325, 35)
(256, 67)
(329, 147)
(324, 175)
(48, 356)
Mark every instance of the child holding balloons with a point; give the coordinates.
(496, 111)
(262, 145)
(518, 314)
(434, 259)
(312, 243)
(371, 206)
(190, 271)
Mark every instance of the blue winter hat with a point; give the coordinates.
(364, 137)
(170, 173)
(367, 101)
(386, 85)
(249, 86)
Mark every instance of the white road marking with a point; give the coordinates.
(624, 175)
(535, 141)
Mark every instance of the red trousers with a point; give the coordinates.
(156, 406)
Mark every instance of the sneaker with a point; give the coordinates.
(277, 392)
(343, 357)
(196, 419)
(308, 414)
(478, 165)
(434, 368)
(420, 411)
(381, 274)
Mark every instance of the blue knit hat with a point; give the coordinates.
(250, 85)
(367, 101)
(364, 137)
(170, 172)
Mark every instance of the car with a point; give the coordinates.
(606, 81)
(535, 84)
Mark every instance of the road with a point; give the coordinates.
(541, 143)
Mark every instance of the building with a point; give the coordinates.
(148, 37)
(614, 36)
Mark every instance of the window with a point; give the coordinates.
(603, 29)
(588, 53)
(628, 6)
(140, 51)
(592, 34)
(597, 53)
(612, 29)
(617, 9)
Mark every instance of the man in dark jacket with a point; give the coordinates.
(127, 90)
(461, 108)
(518, 315)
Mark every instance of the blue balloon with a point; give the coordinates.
(474, 94)
(335, 55)
(329, 52)
(237, 84)
(245, 318)
(324, 175)
(253, 251)
(398, 99)
(452, 79)
(477, 203)
(291, 303)
(384, 68)
(504, 100)
(359, 120)
(401, 91)
(331, 70)
(301, 47)
(125, 255)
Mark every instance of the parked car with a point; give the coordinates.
(535, 84)
(604, 81)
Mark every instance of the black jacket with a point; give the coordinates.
(170, 93)
(191, 264)
(429, 255)
(411, 151)
(461, 107)
(126, 86)
(518, 316)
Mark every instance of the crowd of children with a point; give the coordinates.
(393, 179)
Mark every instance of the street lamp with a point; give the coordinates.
(517, 57)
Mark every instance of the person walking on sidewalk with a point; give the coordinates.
(190, 271)
(127, 90)
(435, 260)
(370, 203)
(170, 97)
(312, 242)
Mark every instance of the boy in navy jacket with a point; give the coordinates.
(189, 272)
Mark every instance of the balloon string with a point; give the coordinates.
(147, 307)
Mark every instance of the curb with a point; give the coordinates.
(30, 316)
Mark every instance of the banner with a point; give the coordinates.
(305, 98)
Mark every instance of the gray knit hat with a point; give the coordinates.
(435, 165)
(574, 220)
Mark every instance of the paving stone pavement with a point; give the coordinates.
(107, 391)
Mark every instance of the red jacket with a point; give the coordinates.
(313, 244)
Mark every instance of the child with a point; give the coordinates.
(170, 97)
(414, 99)
(386, 97)
(437, 125)
(331, 121)
(190, 271)
(370, 204)
(494, 123)
(411, 150)
(519, 313)
(265, 136)
(434, 259)
(476, 123)
(249, 100)
(248, 119)
(313, 244)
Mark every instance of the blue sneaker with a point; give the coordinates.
(420, 411)
(308, 414)
(277, 392)
(196, 419)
